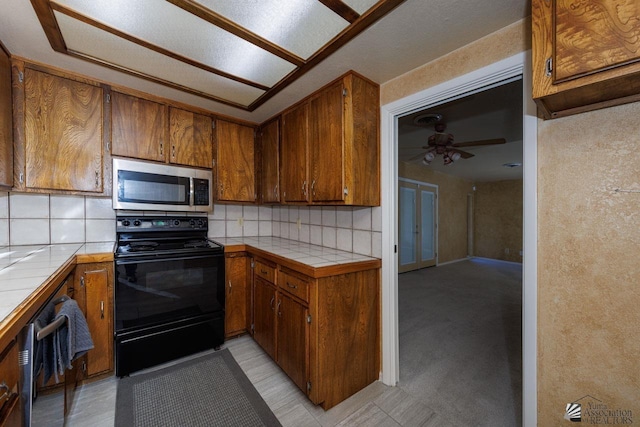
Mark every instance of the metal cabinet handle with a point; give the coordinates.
(263, 271)
(271, 302)
(304, 188)
(7, 392)
(162, 149)
(275, 190)
(279, 312)
(313, 184)
(97, 179)
(292, 286)
(102, 309)
(229, 286)
(173, 151)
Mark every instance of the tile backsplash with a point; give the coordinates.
(27, 218)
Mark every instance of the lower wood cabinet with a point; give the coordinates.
(93, 290)
(10, 407)
(237, 294)
(323, 331)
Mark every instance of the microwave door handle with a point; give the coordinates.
(191, 192)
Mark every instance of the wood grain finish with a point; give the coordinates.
(294, 153)
(190, 136)
(235, 162)
(345, 331)
(591, 36)
(63, 133)
(292, 339)
(296, 285)
(326, 139)
(6, 121)
(585, 76)
(138, 128)
(270, 162)
(93, 285)
(264, 315)
(236, 295)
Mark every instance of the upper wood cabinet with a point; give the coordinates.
(190, 136)
(138, 127)
(234, 148)
(586, 55)
(63, 133)
(294, 169)
(6, 121)
(270, 162)
(330, 146)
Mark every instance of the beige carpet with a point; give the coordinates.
(461, 341)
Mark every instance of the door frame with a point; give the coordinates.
(512, 68)
(436, 217)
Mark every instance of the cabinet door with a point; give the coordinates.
(6, 122)
(235, 168)
(190, 135)
(63, 133)
(94, 284)
(270, 140)
(292, 333)
(264, 316)
(326, 141)
(138, 127)
(295, 159)
(235, 319)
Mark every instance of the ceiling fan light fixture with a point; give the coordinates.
(454, 155)
(428, 158)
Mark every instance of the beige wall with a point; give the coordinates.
(452, 209)
(498, 220)
(588, 240)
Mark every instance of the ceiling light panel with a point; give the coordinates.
(169, 27)
(91, 41)
(300, 26)
(360, 6)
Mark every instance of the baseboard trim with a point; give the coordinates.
(453, 262)
(496, 260)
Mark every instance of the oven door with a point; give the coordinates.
(152, 290)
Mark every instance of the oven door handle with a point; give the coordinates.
(142, 260)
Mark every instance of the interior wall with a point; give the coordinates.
(452, 208)
(498, 220)
(588, 240)
(589, 267)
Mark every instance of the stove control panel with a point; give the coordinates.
(160, 223)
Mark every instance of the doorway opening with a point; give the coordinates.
(512, 68)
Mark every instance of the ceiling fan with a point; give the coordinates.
(441, 143)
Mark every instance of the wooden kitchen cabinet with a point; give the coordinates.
(344, 141)
(10, 405)
(93, 290)
(234, 148)
(6, 121)
(62, 148)
(292, 338)
(190, 136)
(294, 169)
(138, 128)
(586, 55)
(264, 315)
(270, 162)
(322, 331)
(330, 146)
(236, 294)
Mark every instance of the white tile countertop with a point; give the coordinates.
(305, 253)
(23, 269)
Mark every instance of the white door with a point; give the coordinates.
(417, 227)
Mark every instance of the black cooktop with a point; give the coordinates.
(163, 236)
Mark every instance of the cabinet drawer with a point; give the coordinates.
(9, 373)
(266, 272)
(294, 285)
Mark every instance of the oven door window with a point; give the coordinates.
(142, 187)
(152, 292)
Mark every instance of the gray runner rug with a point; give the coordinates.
(211, 390)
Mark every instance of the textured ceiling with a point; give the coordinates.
(414, 33)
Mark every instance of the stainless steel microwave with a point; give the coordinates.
(141, 185)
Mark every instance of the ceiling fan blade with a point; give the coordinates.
(481, 142)
(464, 154)
(416, 157)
